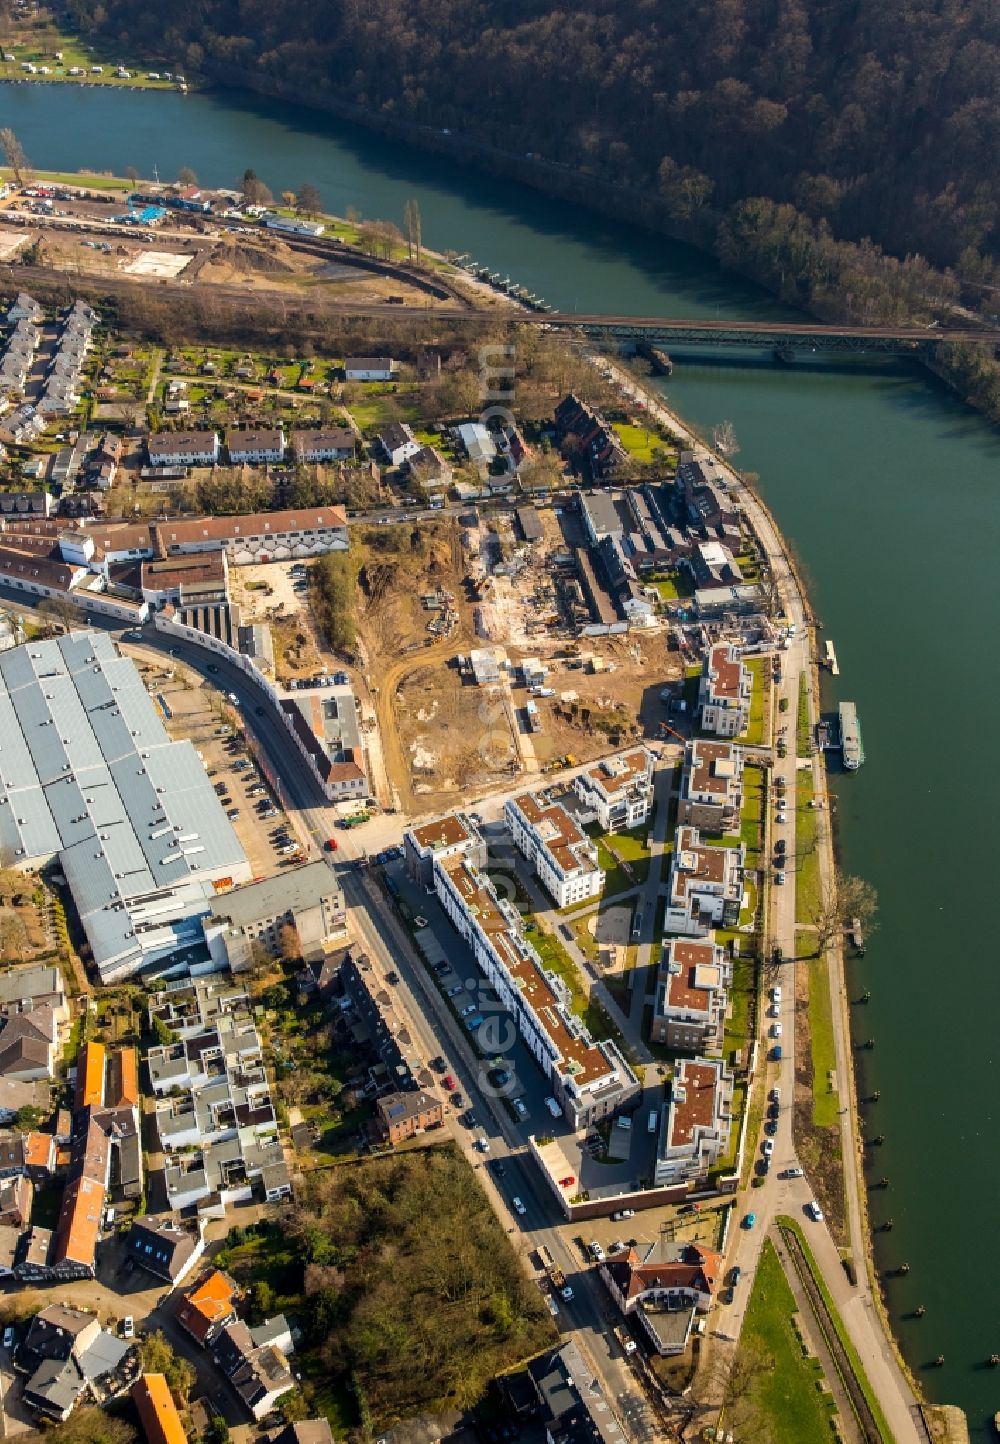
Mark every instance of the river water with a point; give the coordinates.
(889, 492)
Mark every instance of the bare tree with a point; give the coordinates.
(13, 936)
(288, 200)
(186, 176)
(844, 898)
(60, 611)
(308, 201)
(412, 229)
(14, 155)
(724, 439)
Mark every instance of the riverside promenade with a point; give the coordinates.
(859, 1306)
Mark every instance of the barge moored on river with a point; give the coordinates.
(851, 747)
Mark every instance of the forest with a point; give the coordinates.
(845, 154)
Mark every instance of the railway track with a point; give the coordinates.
(870, 1430)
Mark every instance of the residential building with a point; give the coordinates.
(713, 565)
(368, 1016)
(294, 227)
(485, 664)
(182, 448)
(397, 443)
(27, 1046)
(401, 1116)
(555, 845)
(454, 835)
(164, 1249)
(91, 1063)
(24, 989)
(587, 441)
(695, 1133)
(327, 731)
(477, 443)
(590, 1080)
(560, 1391)
(185, 581)
(691, 997)
(209, 1307)
(154, 1403)
(600, 516)
(34, 1253)
(370, 368)
(259, 536)
(725, 692)
(26, 503)
(618, 790)
(711, 790)
(16, 1195)
(306, 1431)
(306, 899)
(143, 858)
(69, 1358)
(705, 887)
(429, 470)
(663, 1286)
(255, 448)
(258, 1373)
(332, 444)
(15, 1095)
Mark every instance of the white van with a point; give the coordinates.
(553, 1107)
(653, 1122)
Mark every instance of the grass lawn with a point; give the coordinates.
(826, 1103)
(621, 854)
(739, 1024)
(785, 1222)
(802, 738)
(642, 443)
(673, 585)
(373, 411)
(808, 892)
(784, 1397)
(692, 682)
(41, 51)
(757, 728)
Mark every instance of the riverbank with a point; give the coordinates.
(861, 1239)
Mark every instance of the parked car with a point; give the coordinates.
(596, 1252)
(519, 1207)
(128, 1327)
(775, 1030)
(623, 1213)
(768, 1147)
(749, 1219)
(814, 1211)
(791, 1173)
(450, 1083)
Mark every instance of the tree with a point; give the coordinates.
(412, 229)
(14, 155)
(158, 1357)
(186, 176)
(288, 200)
(724, 439)
(131, 175)
(91, 1426)
(308, 201)
(163, 1034)
(13, 936)
(255, 192)
(60, 611)
(289, 942)
(843, 899)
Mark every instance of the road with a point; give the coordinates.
(856, 1303)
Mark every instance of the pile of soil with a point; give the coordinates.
(244, 257)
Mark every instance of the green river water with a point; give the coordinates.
(889, 492)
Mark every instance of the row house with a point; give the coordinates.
(705, 888)
(691, 997)
(724, 692)
(590, 1080)
(256, 448)
(561, 853)
(259, 536)
(332, 444)
(618, 790)
(182, 448)
(711, 788)
(695, 1133)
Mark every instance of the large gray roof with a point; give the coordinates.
(292, 891)
(88, 772)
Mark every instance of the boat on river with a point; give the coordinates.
(851, 746)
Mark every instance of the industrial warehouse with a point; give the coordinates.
(88, 775)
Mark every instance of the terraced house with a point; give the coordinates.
(557, 848)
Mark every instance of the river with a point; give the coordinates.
(889, 491)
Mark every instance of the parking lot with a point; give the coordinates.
(205, 716)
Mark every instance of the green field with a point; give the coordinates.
(757, 728)
(826, 1103)
(783, 1401)
(617, 848)
(41, 48)
(802, 737)
(641, 443)
(808, 890)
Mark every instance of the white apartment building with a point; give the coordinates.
(724, 692)
(705, 889)
(562, 855)
(183, 448)
(590, 1080)
(691, 997)
(699, 1116)
(619, 789)
(711, 792)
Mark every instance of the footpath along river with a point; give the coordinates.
(889, 491)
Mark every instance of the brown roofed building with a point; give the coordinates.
(79, 1227)
(259, 536)
(154, 1403)
(705, 889)
(404, 1115)
(333, 444)
(711, 791)
(725, 692)
(209, 1307)
(123, 1079)
(699, 1118)
(558, 849)
(690, 1011)
(662, 1286)
(183, 448)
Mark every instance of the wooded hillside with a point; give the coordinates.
(881, 119)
